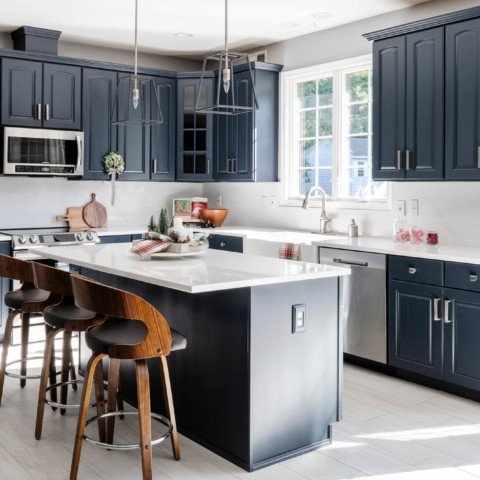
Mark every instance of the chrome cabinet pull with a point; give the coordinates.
(436, 301)
(47, 111)
(478, 157)
(208, 165)
(223, 244)
(234, 167)
(399, 159)
(39, 111)
(412, 271)
(407, 159)
(473, 278)
(228, 165)
(447, 304)
(154, 165)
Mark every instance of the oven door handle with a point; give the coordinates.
(26, 255)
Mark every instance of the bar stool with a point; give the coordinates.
(64, 317)
(23, 301)
(133, 330)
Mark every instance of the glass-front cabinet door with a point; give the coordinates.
(194, 131)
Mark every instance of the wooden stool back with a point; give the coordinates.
(16, 269)
(113, 302)
(52, 279)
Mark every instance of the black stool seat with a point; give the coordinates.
(57, 315)
(16, 298)
(122, 331)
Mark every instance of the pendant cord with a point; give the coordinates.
(226, 25)
(136, 28)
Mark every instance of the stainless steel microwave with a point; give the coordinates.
(35, 151)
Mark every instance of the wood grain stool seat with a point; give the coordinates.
(23, 301)
(133, 330)
(64, 317)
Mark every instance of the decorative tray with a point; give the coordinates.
(165, 255)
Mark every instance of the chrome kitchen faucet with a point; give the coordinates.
(324, 220)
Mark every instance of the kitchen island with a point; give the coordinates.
(247, 387)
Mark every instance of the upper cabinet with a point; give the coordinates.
(246, 145)
(36, 94)
(426, 99)
(462, 100)
(194, 130)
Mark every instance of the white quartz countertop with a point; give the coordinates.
(121, 230)
(209, 271)
(5, 238)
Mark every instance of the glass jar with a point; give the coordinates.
(417, 234)
(401, 230)
(432, 237)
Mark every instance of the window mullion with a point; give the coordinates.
(337, 132)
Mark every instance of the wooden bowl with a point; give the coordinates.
(214, 215)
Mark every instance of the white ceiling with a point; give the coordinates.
(252, 23)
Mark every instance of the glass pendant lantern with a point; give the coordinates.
(225, 101)
(136, 100)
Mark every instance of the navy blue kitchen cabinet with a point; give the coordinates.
(162, 136)
(246, 145)
(4, 288)
(228, 243)
(408, 106)
(415, 328)
(462, 101)
(115, 238)
(36, 94)
(99, 87)
(194, 130)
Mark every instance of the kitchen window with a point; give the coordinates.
(327, 133)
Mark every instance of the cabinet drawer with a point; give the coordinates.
(226, 242)
(115, 239)
(463, 276)
(416, 270)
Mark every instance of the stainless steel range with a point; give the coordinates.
(36, 239)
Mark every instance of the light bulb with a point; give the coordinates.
(226, 79)
(135, 97)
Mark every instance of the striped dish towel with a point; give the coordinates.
(289, 251)
(145, 248)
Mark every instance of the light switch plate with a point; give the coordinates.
(299, 318)
(401, 207)
(219, 201)
(414, 207)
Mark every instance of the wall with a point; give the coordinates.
(35, 202)
(451, 208)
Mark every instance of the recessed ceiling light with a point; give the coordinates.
(183, 34)
(289, 24)
(319, 15)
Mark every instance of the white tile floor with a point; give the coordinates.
(392, 430)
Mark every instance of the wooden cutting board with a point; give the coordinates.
(95, 214)
(74, 217)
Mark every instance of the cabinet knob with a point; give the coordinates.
(473, 278)
(412, 271)
(223, 244)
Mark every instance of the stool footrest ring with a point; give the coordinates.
(64, 405)
(25, 377)
(116, 446)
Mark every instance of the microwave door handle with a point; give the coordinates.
(80, 151)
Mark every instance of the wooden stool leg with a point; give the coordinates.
(167, 395)
(52, 368)
(73, 375)
(42, 391)
(100, 400)
(24, 347)
(66, 359)
(143, 398)
(113, 377)
(120, 398)
(6, 343)
(82, 414)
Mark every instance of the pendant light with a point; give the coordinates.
(133, 92)
(225, 101)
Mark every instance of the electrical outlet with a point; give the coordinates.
(148, 201)
(414, 207)
(299, 318)
(219, 201)
(272, 201)
(401, 207)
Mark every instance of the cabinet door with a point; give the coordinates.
(4, 288)
(227, 243)
(21, 93)
(61, 96)
(133, 140)
(388, 154)
(162, 136)
(461, 332)
(99, 87)
(462, 100)
(115, 239)
(415, 335)
(424, 152)
(194, 131)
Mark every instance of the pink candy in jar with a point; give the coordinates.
(417, 234)
(402, 235)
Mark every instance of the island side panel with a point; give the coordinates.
(210, 378)
(295, 377)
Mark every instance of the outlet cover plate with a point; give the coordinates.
(299, 318)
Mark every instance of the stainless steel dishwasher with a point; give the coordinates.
(362, 302)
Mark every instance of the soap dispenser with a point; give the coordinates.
(353, 229)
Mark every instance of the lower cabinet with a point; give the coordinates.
(117, 238)
(434, 330)
(227, 243)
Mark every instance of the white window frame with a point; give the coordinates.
(288, 80)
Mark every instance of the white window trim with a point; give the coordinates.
(285, 124)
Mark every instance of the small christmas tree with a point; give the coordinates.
(151, 225)
(163, 221)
